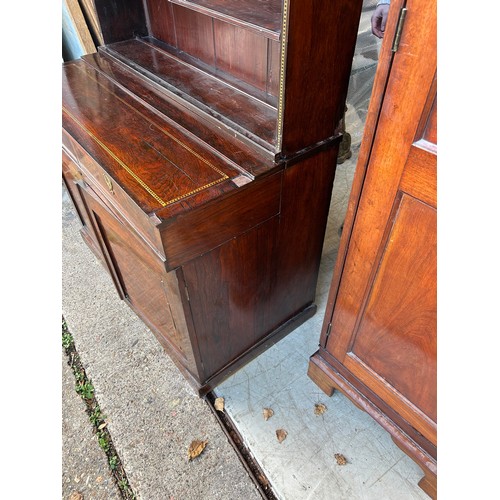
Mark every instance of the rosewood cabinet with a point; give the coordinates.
(378, 342)
(199, 149)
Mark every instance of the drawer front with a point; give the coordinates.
(209, 227)
(117, 199)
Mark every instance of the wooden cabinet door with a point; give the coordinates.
(141, 279)
(383, 327)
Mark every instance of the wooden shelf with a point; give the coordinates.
(244, 113)
(262, 16)
(231, 80)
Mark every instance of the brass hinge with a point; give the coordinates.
(399, 29)
(328, 331)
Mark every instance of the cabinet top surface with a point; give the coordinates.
(164, 168)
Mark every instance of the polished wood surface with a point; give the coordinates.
(400, 316)
(276, 48)
(171, 166)
(241, 53)
(225, 43)
(172, 156)
(214, 224)
(142, 279)
(162, 21)
(240, 152)
(194, 34)
(223, 305)
(273, 69)
(379, 340)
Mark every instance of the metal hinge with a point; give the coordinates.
(328, 331)
(399, 29)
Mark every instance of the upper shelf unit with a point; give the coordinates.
(274, 72)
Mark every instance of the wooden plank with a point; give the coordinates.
(242, 112)
(90, 14)
(80, 26)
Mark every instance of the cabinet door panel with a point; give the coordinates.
(394, 344)
(71, 178)
(143, 280)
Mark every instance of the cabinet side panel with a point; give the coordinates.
(307, 188)
(230, 292)
(321, 42)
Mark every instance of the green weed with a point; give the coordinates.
(85, 389)
(113, 462)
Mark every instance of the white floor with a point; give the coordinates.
(303, 466)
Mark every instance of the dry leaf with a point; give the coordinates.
(319, 409)
(76, 495)
(263, 480)
(341, 460)
(195, 448)
(281, 434)
(101, 427)
(268, 413)
(219, 404)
